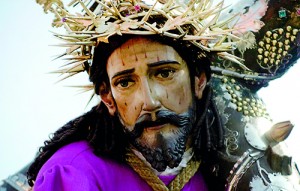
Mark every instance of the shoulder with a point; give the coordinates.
(69, 153)
(79, 155)
(69, 164)
(75, 167)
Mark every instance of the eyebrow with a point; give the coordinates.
(151, 65)
(128, 71)
(159, 63)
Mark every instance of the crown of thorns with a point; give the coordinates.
(196, 21)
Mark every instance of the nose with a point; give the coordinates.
(150, 98)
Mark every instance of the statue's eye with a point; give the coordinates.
(124, 82)
(165, 73)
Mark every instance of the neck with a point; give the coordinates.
(145, 172)
(188, 154)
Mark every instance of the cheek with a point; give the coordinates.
(127, 107)
(178, 97)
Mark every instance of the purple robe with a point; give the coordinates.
(76, 168)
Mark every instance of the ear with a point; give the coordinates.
(200, 84)
(107, 98)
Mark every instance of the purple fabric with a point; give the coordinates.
(75, 168)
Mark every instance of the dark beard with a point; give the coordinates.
(169, 150)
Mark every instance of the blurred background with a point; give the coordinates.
(32, 105)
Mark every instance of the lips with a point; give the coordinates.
(158, 127)
(163, 117)
(154, 125)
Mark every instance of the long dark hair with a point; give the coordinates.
(104, 132)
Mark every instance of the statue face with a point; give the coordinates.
(150, 91)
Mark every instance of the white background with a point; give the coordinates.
(32, 105)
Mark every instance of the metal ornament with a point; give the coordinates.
(253, 138)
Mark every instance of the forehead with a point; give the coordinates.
(139, 51)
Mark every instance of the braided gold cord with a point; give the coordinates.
(145, 172)
(156, 184)
(184, 176)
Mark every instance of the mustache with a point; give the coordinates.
(162, 117)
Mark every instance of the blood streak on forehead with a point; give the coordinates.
(139, 51)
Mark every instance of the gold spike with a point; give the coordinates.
(268, 33)
(89, 86)
(233, 59)
(106, 7)
(286, 42)
(295, 31)
(64, 23)
(92, 96)
(261, 43)
(220, 41)
(74, 69)
(59, 56)
(208, 25)
(266, 53)
(146, 17)
(190, 7)
(224, 23)
(167, 5)
(73, 3)
(80, 57)
(117, 13)
(273, 55)
(293, 38)
(218, 9)
(278, 57)
(77, 36)
(287, 47)
(68, 76)
(73, 62)
(259, 57)
(246, 112)
(280, 31)
(89, 43)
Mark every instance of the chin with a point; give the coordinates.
(163, 149)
